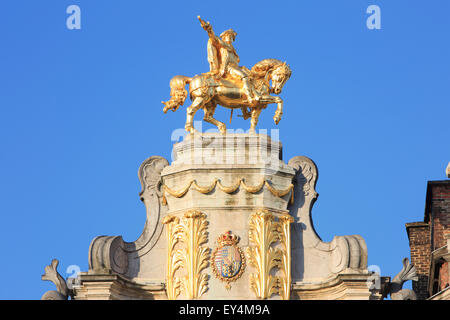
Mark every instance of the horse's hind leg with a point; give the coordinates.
(209, 109)
(190, 112)
(254, 121)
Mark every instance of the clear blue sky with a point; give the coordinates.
(81, 109)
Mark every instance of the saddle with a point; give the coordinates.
(227, 80)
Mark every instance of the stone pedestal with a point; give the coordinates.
(231, 178)
(227, 219)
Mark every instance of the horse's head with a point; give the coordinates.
(280, 74)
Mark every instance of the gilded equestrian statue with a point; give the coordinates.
(229, 85)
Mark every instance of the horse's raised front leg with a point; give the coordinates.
(209, 109)
(279, 111)
(268, 99)
(254, 121)
(190, 112)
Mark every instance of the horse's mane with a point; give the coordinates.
(261, 68)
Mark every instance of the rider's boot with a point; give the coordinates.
(248, 92)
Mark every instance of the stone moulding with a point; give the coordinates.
(264, 232)
(343, 286)
(227, 189)
(191, 232)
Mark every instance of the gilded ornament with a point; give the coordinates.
(195, 255)
(191, 233)
(264, 233)
(262, 256)
(284, 231)
(174, 257)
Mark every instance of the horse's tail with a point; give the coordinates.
(178, 93)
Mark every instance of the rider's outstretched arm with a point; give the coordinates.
(208, 28)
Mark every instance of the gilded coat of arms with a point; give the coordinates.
(228, 260)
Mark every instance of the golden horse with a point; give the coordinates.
(206, 92)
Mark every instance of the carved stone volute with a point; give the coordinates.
(107, 253)
(110, 254)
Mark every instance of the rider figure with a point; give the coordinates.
(229, 59)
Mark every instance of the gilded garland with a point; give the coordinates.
(227, 189)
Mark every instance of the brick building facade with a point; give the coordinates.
(429, 243)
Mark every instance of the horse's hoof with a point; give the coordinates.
(222, 129)
(190, 130)
(195, 132)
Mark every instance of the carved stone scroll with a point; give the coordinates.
(111, 253)
(107, 253)
(150, 177)
(348, 252)
(343, 253)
